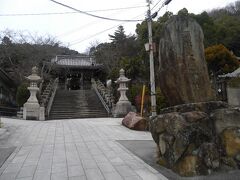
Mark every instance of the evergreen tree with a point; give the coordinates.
(119, 36)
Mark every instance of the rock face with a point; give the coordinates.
(189, 166)
(183, 73)
(226, 117)
(179, 134)
(231, 141)
(207, 107)
(135, 122)
(195, 142)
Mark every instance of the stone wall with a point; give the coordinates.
(233, 95)
(198, 143)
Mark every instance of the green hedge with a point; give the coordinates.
(22, 94)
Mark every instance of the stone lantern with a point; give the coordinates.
(32, 109)
(123, 106)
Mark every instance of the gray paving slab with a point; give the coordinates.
(13, 168)
(146, 150)
(89, 164)
(75, 171)
(106, 167)
(133, 178)
(8, 176)
(26, 178)
(5, 152)
(73, 149)
(26, 171)
(59, 176)
(113, 175)
(125, 171)
(78, 178)
(42, 176)
(94, 174)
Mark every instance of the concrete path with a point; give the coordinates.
(79, 149)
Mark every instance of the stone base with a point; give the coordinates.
(122, 109)
(31, 111)
(42, 114)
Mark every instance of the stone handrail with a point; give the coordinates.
(45, 94)
(104, 95)
(41, 86)
(52, 95)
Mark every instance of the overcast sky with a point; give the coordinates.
(79, 31)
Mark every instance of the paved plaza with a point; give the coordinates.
(77, 149)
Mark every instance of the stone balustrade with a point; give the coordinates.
(105, 93)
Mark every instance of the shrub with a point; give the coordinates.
(22, 94)
(220, 60)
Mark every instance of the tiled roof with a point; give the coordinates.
(74, 62)
(82, 61)
(235, 73)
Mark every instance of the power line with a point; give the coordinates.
(96, 21)
(98, 33)
(156, 5)
(61, 13)
(93, 15)
(165, 3)
(76, 29)
(71, 44)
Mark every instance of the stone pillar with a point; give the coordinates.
(31, 109)
(123, 106)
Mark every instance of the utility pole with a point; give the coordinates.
(152, 75)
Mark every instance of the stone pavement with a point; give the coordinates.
(77, 149)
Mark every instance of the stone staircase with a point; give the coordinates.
(77, 104)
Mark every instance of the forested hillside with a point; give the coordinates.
(19, 53)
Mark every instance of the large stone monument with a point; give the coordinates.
(123, 106)
(32, 109)
(183, 72)
(195, 136)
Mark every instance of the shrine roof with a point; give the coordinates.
(75, 62)
(235, 73)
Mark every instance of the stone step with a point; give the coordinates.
(76, 110)
(77, 104)
(78, 115)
